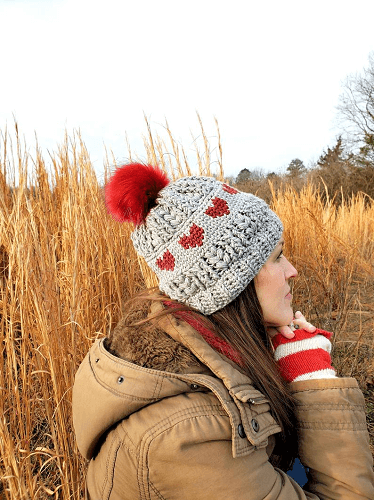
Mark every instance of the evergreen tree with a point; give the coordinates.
(296, 168)
(332, 156)
(243, 176)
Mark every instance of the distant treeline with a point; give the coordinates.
(343, 170)
(337, 175)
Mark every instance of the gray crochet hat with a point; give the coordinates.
(204, 239)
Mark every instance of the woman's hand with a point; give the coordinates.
(287, 331)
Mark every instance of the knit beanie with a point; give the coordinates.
(204, 239)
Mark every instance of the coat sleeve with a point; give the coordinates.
(333, 438)
(189, 459)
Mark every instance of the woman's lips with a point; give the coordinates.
(289, 296)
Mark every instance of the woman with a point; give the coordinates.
(202, 391)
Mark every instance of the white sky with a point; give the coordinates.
(270, 71)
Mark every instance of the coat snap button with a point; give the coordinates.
(255, 425)
(241, 431)
(120, 379)
(194, 387)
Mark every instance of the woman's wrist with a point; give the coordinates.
(304, 357)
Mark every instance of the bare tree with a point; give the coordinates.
(356, 109)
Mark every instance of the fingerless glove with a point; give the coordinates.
(304, 357)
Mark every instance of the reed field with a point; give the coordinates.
(66, 268)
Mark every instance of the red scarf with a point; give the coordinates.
(209, 336)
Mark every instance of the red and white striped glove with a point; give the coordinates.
(304, 357)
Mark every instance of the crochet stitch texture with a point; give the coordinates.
(206, 241)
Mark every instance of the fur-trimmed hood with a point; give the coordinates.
(148, 345)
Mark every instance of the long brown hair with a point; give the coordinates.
(240, 323)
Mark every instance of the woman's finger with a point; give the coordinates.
(300, 322)
(286, 331)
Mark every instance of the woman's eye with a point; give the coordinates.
(280, 255)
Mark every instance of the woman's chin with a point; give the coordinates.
(289, 316)
(284, 320)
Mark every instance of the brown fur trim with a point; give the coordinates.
(147, 345)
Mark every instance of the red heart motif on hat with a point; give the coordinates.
(195, 238)
(218, 209)
(229, 189)
(167, 262)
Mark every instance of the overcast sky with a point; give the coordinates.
(269, 71)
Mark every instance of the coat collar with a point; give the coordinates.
(232, 387)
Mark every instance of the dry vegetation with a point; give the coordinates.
(66, 267)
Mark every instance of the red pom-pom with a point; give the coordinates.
(132, 191)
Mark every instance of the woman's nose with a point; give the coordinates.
(291, 272)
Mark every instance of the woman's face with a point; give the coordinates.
(273, 289)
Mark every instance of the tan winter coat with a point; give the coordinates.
(192, 426)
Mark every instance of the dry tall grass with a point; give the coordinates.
(66, 267)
